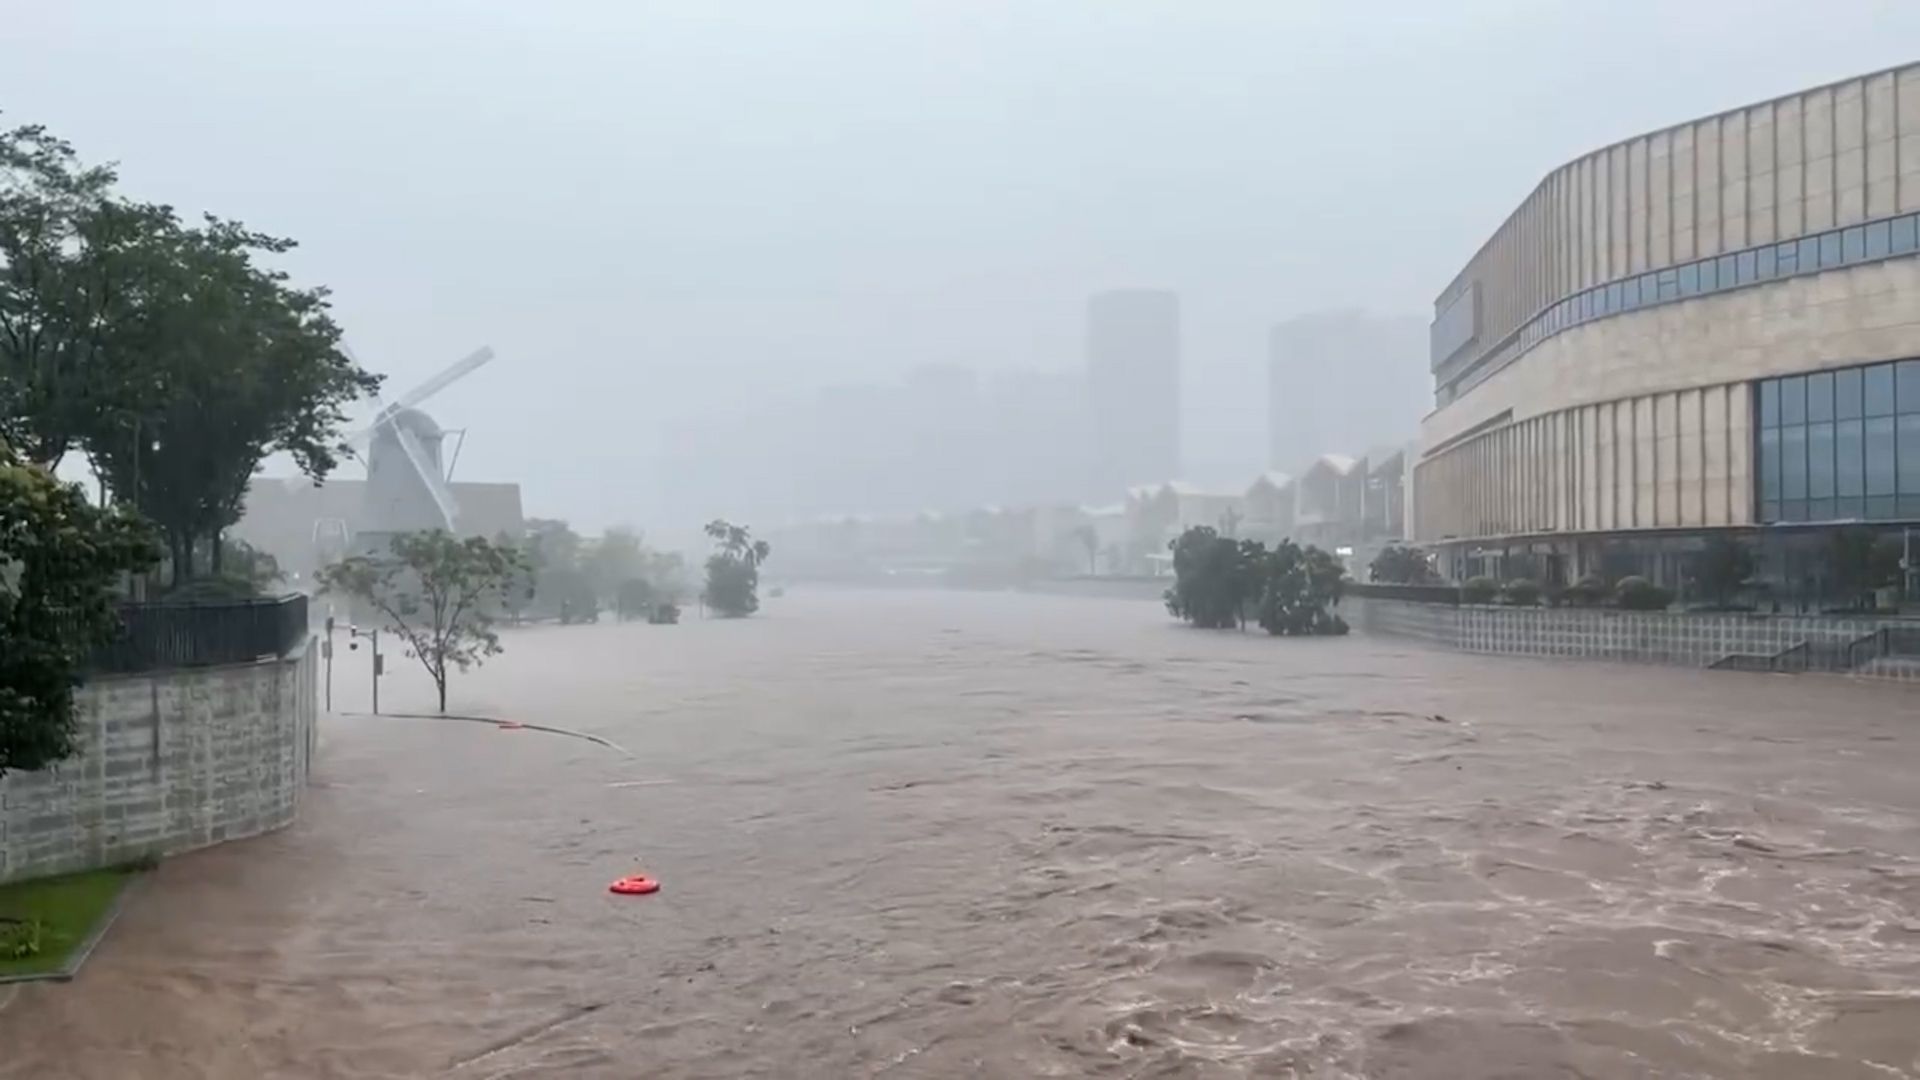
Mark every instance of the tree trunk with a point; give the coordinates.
(440, 684)
(213, 554)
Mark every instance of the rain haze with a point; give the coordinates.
(1202, 539)
(677, 223)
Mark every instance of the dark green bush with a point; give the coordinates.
(1589, 591)
(1638, 594)
(1521, 592)
(1479, 590)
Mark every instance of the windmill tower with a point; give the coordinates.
(407, 488)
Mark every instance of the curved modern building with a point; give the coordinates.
(1711, 327)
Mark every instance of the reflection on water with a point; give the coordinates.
(984, 835)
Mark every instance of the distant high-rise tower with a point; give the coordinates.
(1133, 385)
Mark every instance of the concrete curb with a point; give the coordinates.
(85, 949)
(498, 723)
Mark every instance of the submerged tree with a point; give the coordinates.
(60, 559)
(733, 570)
(1291, 589)
(438, 592)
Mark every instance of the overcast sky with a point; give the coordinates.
(656, 210)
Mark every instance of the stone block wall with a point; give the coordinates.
(1653, 637)
(168, 761)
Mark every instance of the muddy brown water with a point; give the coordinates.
(1009, 836)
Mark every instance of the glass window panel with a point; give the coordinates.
(1879, 237)
(1725, 263)
(1629, 294)
(1853, 244)
(1880, 509)
(1906, 235)
(1879, 453)
(1690, 280)
(1809, 260)
(1850, 469)
(1820, 461)
(1787, 258)
(1770, 463)
(1649, 292)
(1709, 277)
(1763, 263)
(1910, 506)
(1793, 462)
(1793, 510)
(1770, 511)
(1820, 396)
(1615, 299)
(1793, 399)
(1877, 389)
(1743, 268)
(1770, 403)
(1908, 437)
(1668, 284)
(1820, 510)
(1846, 393)
(1830, 251)
(1849, 508)
(1907, 385)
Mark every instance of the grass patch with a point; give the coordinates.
(43, 922)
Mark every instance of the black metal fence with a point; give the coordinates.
(175, 635)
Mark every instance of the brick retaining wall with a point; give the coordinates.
(1654, 637)
(168, 762)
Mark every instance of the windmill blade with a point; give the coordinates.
(449, 375)
(435, 484)
(453, 373)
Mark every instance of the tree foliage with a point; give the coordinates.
(1398, 564)
(166, 352)
(1290, 589)
(59, 561)
(1860, 562)
(733, 570)
(1723, 569)
(438, 593)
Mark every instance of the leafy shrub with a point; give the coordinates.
(1479, 590)
(20, 938)
(1521, 592)
(1636, 593)
(1589, 591)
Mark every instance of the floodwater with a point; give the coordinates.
(968, 835)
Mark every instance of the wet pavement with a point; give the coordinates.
(999, 835)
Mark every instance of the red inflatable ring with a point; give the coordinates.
(637, 885)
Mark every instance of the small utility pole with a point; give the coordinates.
(326, 654)
(379, 661)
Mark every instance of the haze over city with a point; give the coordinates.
(676, 218)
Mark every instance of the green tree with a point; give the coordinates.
(1723, 569)
(438, 593)
(733, 570)
(1300, 587)
(1398, 564)
(63, 271)
(226, 364)
(1210, 581)
(1089, 539)
(616, 558)
(1860, 561)
(59, 561)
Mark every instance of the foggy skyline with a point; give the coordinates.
(664, 215)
